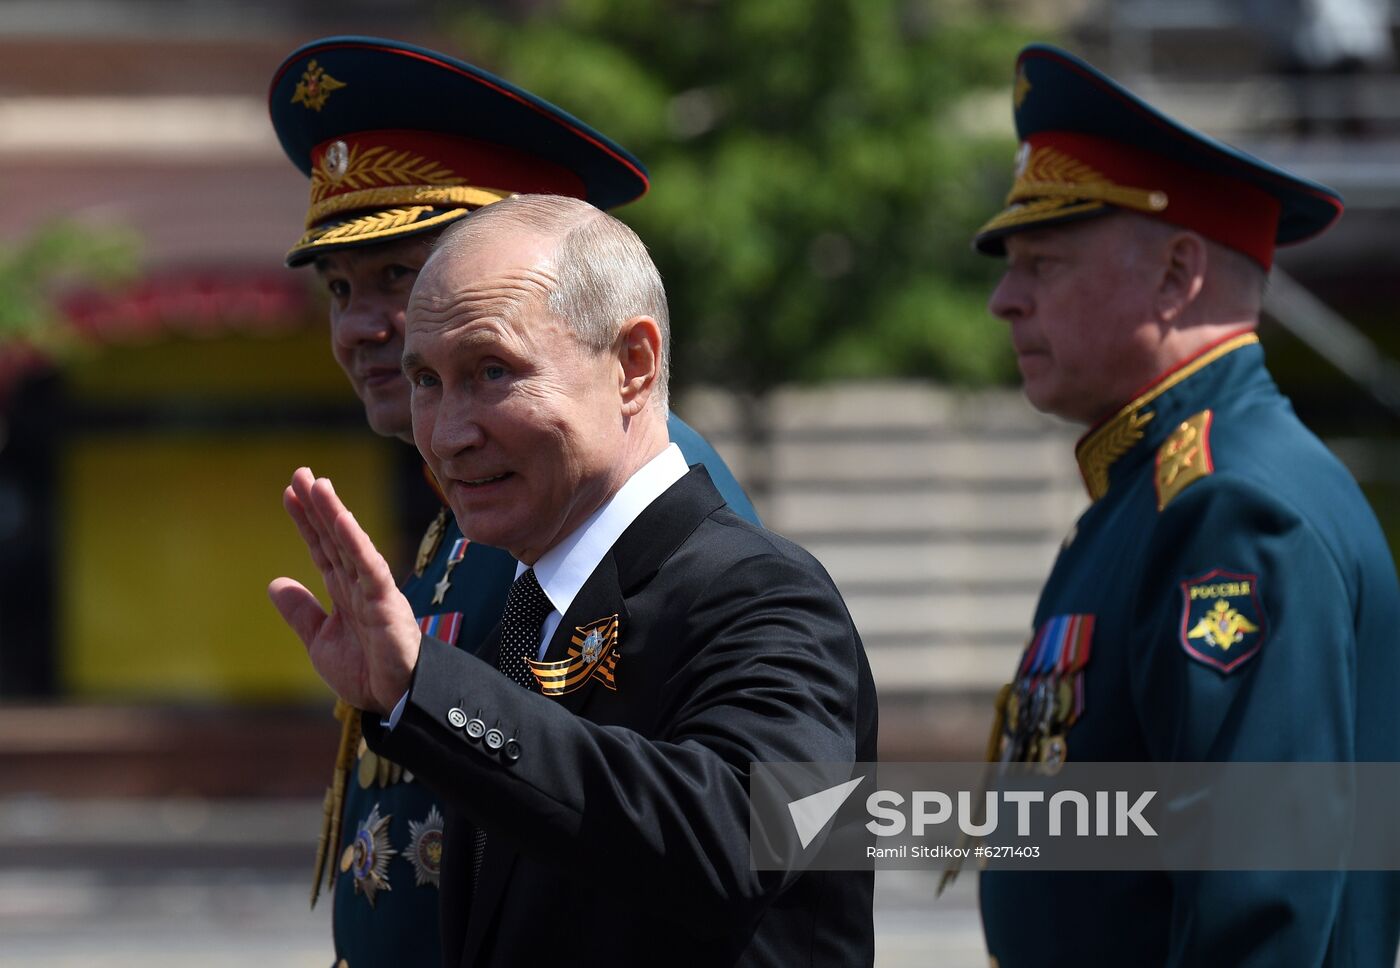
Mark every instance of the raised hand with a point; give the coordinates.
(366, 648)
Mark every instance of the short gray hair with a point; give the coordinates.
(605, 274)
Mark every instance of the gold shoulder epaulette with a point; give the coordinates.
(1183, 458)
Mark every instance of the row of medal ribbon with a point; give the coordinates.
(1047, 696)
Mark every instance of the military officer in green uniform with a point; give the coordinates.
(399, 142)
(1228, 594)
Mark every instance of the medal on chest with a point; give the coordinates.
(454, 557)
(1047, 696)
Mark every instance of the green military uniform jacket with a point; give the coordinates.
(385, 861)
(1228, 596)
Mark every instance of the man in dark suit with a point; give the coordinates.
(599, 814)
(343, 109)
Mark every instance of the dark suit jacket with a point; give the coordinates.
(619, 834)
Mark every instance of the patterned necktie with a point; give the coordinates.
(526, 608)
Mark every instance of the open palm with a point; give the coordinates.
(366, 647)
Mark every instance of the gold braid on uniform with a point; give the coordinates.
(333, 805)
(1105, 445)
(1100, 448)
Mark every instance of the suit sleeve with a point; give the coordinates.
(764, 666)
(1225, 558)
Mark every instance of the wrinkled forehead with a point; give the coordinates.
(476, 282)
(465, 303)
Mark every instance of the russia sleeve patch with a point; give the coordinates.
(1222, 620)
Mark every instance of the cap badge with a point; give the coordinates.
(336, 160)
(1022, 88)
(1051, 173)
(315, 86)
(345, 169)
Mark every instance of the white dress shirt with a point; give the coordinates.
(563, 569)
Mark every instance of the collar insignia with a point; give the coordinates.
(314, 87)
(1107, 444)
(593, 653)
(1101, 447)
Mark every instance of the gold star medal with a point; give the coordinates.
(458, 552)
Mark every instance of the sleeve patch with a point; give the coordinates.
(1183, 458)
(1222, 620)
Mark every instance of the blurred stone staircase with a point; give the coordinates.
(937, 513)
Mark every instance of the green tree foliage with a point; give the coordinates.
(818, 167)
(52, 257)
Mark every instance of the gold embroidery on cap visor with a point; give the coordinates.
(382, 193)
(1054, 185)
(403, 196)
(370, 228)
(348, 166)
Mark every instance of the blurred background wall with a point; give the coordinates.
(818, 166)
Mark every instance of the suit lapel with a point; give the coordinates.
(641, 550)
(637, 555)
(490, 649)
(597, 601)
(660, 529)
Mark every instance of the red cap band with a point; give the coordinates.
(1227, 210)
(404, 167)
